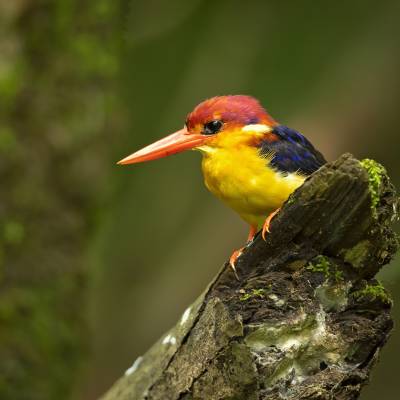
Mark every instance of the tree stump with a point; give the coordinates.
(306, 320)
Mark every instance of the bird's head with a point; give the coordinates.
(219, 122)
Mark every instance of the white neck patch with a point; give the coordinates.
(261, 128)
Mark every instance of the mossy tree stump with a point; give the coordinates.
(307, 319)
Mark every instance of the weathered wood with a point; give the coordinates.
(307, 318)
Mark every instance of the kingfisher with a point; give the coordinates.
(250, 162)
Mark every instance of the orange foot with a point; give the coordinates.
(268, 222)
(237, 253)
(232, 260)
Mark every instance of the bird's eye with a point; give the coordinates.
(212, 127)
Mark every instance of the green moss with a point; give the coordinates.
(357, 254)
(375, 172)
(260, 293)
(338, 275)
(376, 291)
(323, 265)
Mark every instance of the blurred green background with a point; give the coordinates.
(96, 260)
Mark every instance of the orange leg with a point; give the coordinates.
(237, 253)
(268, 222)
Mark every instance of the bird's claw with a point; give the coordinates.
(232, 260)
(267, 223)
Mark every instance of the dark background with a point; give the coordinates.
(97, 260)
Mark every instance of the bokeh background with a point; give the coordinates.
(96, 260)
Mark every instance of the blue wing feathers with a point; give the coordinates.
(292, 152)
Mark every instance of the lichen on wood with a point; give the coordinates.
(306, 320)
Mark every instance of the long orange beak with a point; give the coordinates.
(174, 143)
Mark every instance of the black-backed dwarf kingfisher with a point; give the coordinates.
(251, 162)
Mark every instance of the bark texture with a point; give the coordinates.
(307, 319)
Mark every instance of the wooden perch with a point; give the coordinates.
(307, 319)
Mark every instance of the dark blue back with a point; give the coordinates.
(292, 152)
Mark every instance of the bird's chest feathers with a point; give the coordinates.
(245, 181)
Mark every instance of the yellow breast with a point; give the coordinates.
(244, 181)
